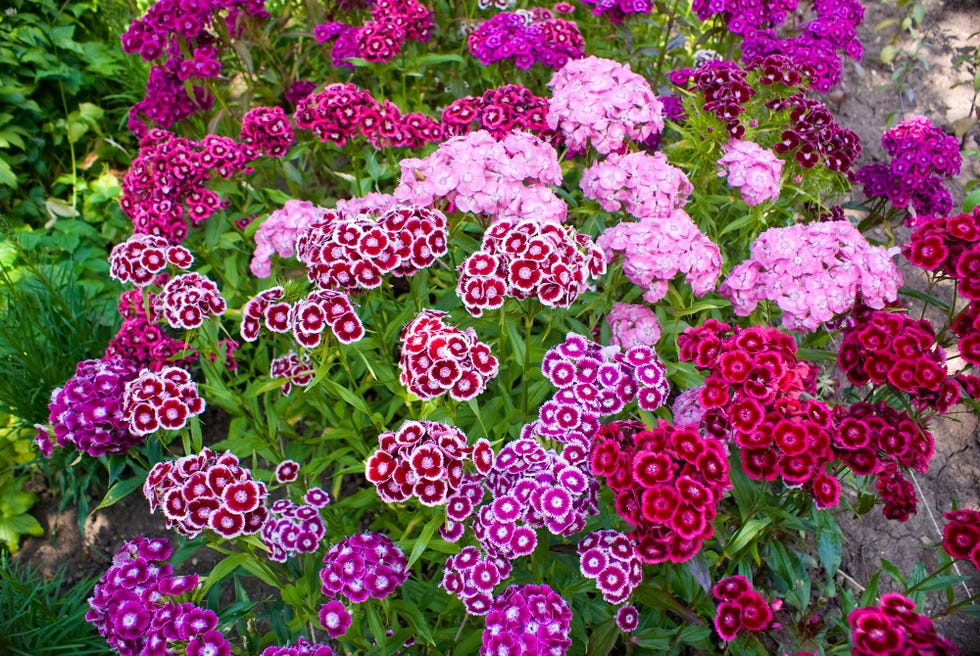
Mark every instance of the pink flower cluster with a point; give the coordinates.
(476, 173)
(187, 300)
(655, 250)
(500, 111)
(894, 628)
(740, 607)
(278, 234)
(812, 272)
(424, 459)
(633, 325)
(755, 170)
(306, 319)
(296, 369)
(265, 131)
(471, 576)
(667, 483)
(610, 559)
(528, 258)
(160, 400)
(437, 358)
(141, 257)
(602, 102)
(961, 535)
(645, 185)
(529, 36)
(381, 39)
(300, 648)
(527, 620)
(293, 529)
(132, 606)
(207, 491)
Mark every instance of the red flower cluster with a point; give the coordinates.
(265, 131)
(424, 459)
(161, 400)
(343, 111)
(528, 258)
(307, 318)
(186, 300)
(297, 370)
(437, 358)
(668, 482)
(895, 629)
(500, 111)
(891, 348)
(207, 491)
(961, 536)
(610, 558)
(740, 607)
(141, 257)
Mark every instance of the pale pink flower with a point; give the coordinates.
(633, 325)
(755, 170)
(278, 233)
(644, 185)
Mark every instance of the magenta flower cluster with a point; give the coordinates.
(603, 103)
(381, 39)
(894, 628)
(306, 319)
(617, 10)
(142, 341)
(207, 491)
(739, 607)
(961, 535)
(141, 257)
(754, 170)
(812, 272)
(437, 358)
(165, 399)
(293, 529)
(528, 36)
(500, 111)
(296, 369)
(424, 459)
(300, 648)
(187, 300)
(471, 576)
(527, 620)
(633, 325)
(266, 131)
(647, 186)
(951, 247)
(610, 559)
(133, 606)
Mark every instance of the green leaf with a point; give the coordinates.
(7, 176)
(225, 566)
(119, 491)
(895, 573)
(422, 541)
(829, 542)
(603, 639)
(416, 620)
(749, 531)
(11, 528)
(437, 58)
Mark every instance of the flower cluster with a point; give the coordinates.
(645, 185)
(278, 234)
(141, 257)
(424, 459)
(951, 246)
(740, 607)
(656, 249)
(381, 39)
(921, 155)
(814, 136)
(132, 605)
(292, 529)
(437, 358)
(500, 111)
(306, 319)
(187, 300)
(471, 576)
(961, 535)
(296, 369)
(528, 258)
(893, 628)
(602, 102)
(142, 341)
(667, 480)
(617, 10)
(966, 326)
(265, 131)
(207, 491)
(725, 90)
(300, 648)
(87, 412)
(343, 111)
(633, 325)
(528, 37)
(755, 170)
(527, 620)
(610, 558)
(160, 400)
(812, 272)
(891, 348)
(476, 173)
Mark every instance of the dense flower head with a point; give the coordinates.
(163, 399)
(739, 607)
(142, 341)
(500, 111)
(617, 10)
(87, 411)
(527, 620)
(921, 156)
(655, 250)
(893, 627)
(528, 258)
(961, 535)
(265, 131)
(476, 173)
(296, 369)
(814, 136)
(725, 90)
(361, 566)
(754, 170)
(424, 459)
(633, 325)
(471, 576)
(207, 491)
(141, 257)
(527, 36)
(950, 246)
(188, 299)
(300, 648)
(812, 272)
(603, 103)
(306, 318)
(133, 605)
(647, 186)
(292, 529)
(611, 560)
(437, 358)
(667, 482)
(393, 23)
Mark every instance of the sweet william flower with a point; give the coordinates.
(754, 170)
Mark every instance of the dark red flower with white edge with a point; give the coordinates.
(141, 257)
(296, 369)
(164, 399)
(187, 300)
(207, 491)
(437, 358)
